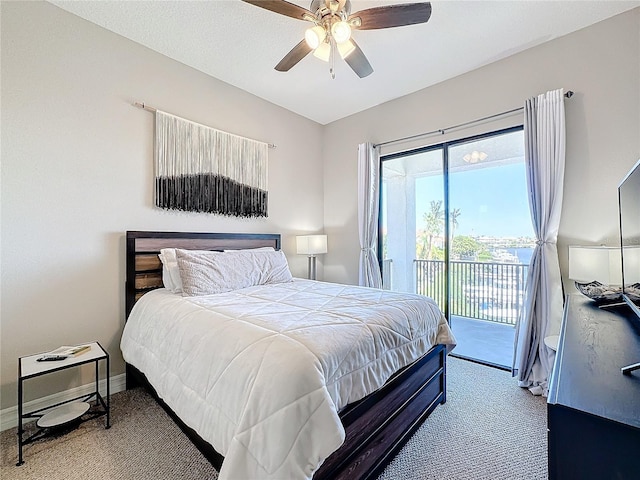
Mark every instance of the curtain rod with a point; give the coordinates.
(442, 131)
(149, 108)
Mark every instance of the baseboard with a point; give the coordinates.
(9, 416)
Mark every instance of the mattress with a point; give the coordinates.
(262, 372)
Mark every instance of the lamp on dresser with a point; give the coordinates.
(311, 245)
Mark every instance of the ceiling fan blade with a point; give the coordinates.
(296, 54)
(284, 8)
(391, 16)
(358, 62)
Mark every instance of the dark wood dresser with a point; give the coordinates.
(593, 411)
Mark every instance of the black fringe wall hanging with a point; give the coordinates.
(201, 169)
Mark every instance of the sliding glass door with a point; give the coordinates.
(455, 226)
(412, 220)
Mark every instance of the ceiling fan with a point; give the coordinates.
(333, 23)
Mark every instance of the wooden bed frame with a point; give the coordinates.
(376, 427)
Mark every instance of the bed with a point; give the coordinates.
(340, 411)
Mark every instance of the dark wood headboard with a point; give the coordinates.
(144, 269)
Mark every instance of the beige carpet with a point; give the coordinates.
(488, 429)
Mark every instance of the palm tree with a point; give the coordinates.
(453, 218)
(434, 225)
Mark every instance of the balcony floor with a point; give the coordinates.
(484, 341)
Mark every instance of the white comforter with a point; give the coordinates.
(261, 372)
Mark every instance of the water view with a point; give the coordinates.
(477, 212)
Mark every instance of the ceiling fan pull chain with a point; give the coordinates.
(332, 70)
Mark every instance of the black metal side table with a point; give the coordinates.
(68, 410)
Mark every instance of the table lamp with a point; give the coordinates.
(311, 245)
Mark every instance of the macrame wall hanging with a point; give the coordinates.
(201, 169)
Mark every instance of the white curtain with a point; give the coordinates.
(368, 204)
(544, 130)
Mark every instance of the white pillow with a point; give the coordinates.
(170, 271)
(167, 279)
(257, 249)
(205, 273)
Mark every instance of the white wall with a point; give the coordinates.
(77, 172)
(601, 64)
(77, 161)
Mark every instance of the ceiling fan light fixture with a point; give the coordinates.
(332, 25)
(314, 36)
(346, 48)
(323, 52)
(341, 32)
(475, 157)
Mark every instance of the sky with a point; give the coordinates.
(492, 201)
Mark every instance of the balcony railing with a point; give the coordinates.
(387, 274)
(482, 290)
(487, 291)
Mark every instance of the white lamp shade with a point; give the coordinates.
(341, 32)
(631, 264)
(315, 36)
(323, 52)
(595, 263)
(346, 48)
(311, 244)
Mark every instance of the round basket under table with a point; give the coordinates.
(63, 414)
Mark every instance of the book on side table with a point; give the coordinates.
(64, 352)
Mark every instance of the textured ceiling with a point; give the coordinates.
(240, 44)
